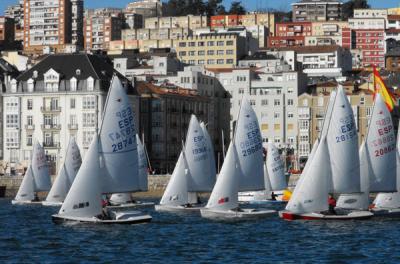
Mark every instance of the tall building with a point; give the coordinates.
(77, 22)
(290, 34)
(17, 13)
(316, 10)
(47, 24)
(146, 8)
(7, 31)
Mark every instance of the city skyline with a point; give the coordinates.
(249, 4)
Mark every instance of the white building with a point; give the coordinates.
(60, 97)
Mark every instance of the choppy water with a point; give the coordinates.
(28, 235)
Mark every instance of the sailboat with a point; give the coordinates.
(124, 200)
(274, 180)
(378, 160)
(109, 166)
(242, 170)
(66, 175)
(36, 179)
(194, 172)
(333, 167)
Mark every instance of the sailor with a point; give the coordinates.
(273, 196)
(332, 205)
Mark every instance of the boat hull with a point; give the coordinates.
(15, 202)
(134, 219)
(234, 215)
(46, 203)
(128, 206)
(178, 209)
(386, 212)
(355, 215)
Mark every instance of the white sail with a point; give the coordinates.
(40, 169)
(328, 114)
(224, 196)
(26, 191)
(342, 140)
(118, 147)
(211, 157)
(248, 143)
(142, 166)
(120, 198)
(67, 173)
(198, 159)
(311, 193)
(391, 200)
(381, 149)
(267, 183)
(176, 192)
(84, 196)
(275, 168)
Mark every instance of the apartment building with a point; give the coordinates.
(329, 33)
(252, 19)
(60, 97)
(214, 50)
(77, 22)
(7, 31)
(47, 24)
(312, 109)
(16, 12)
(132, 21)
(189, 21)
(102, 26)
(316, 10)
(288, 34)
(392, 60)
(146, 8)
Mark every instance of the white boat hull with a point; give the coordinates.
(128, 206)
(15, 202)
(352, 215)
(235, 215)
(134, 217)
(386, 212)
(178, 209)
(46, 203)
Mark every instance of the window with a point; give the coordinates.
(221, 61)
(29, 120)
(12, 120)
(210, 43)
(277, 102)
(29, 140)
(220, 52)
(290, 115)
(72, 103)
(229, 52)
(73, 83)
(29, 104)
(182, 44)
(90, 83)
(31, 84)
(89, 102)
(192, 53)
(229, 43)
(229, 61)
(192, 44)
(252, 102)
(72, 119)
(182, 53)
(89, 119)
(264, 102)
(200, 43)
(362, 100)
(200, 62)
(210, 61)
(13, 86)
(210, 52)
(320, 101)
(241, 91)
(88, 137)
(201, 53)
(290, 102)
(276, 115)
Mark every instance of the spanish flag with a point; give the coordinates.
(380, 87)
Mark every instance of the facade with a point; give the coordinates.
(16, 12)
(132, 21)
(288, 34)
(392, 60)
(328, 61)
(146, 8)
(101, 27)
(77, 22)
(46, 24)
(189, 21)
(252, 19)
(312, 108)
(316, 10)
(212, 50)
(60, 97)
(7, 31)
(329, 33)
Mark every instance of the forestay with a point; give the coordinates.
(342, 141)
(248, 143)
(224, 196)
(311, 193)
(275, 168)
(118, 146)
(84, 197)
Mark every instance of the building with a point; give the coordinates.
(189, 21)
(7, 31)
(60, 97)
(101, 27)
(248, 20)
(323, 61)
(329, 33)
(77, 22)
(288, 34)
(47, 24)
(214, 50)
(312, 109)
(317, 10)
(392, 60)
(132, 21)
(16, 12)
(165, 113)
(146, 8)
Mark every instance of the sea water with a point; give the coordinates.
(28, 235)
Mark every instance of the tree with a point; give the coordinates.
(237, 8)
(348, 7)
(214, 7)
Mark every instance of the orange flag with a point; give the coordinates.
(380, 87)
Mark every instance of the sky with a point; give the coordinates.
(249, 4)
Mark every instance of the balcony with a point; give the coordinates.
(50, 109)
(30, 127)
(51, 144)
(51, 127)
(73, 126)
